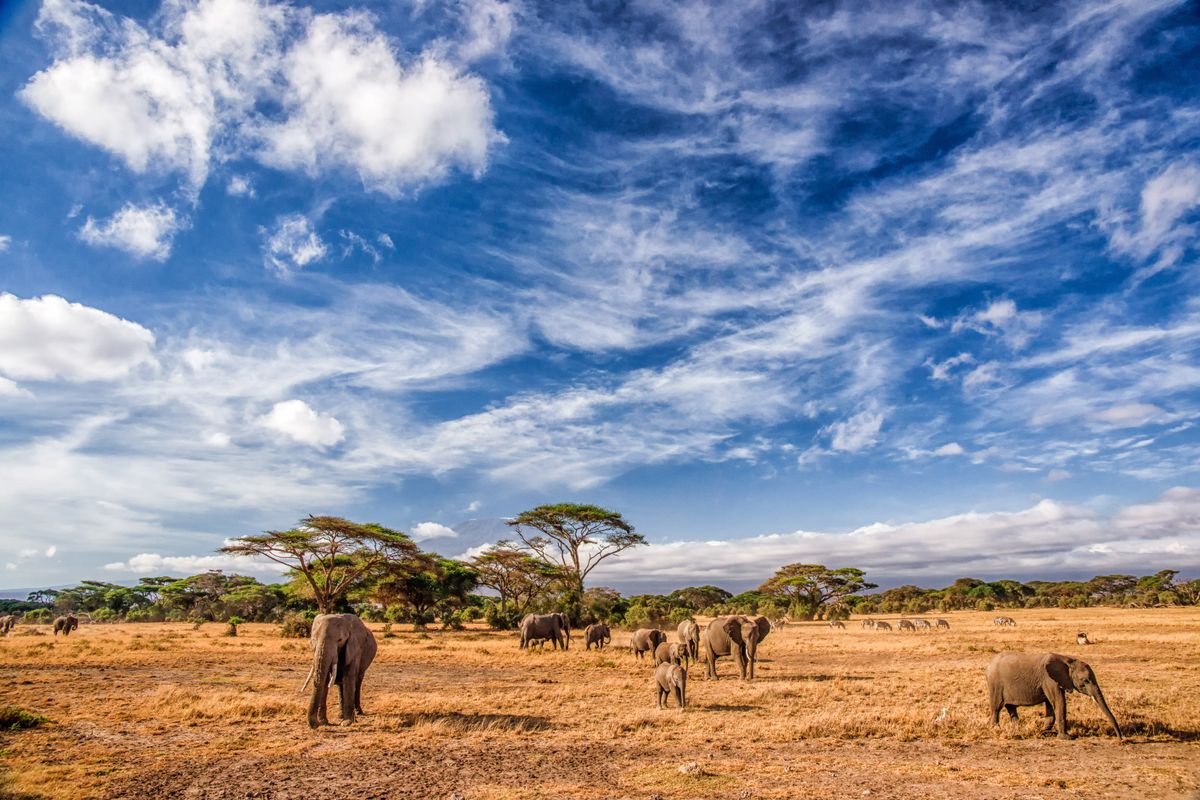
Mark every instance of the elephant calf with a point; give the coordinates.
(597, 634)
(1030, 679)
(671, 679)
(671, 653)
(6, 624)
(66, 624)
(646, 640)
(689, 634)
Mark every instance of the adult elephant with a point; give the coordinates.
(342, 648)
(6, 624)
(646, 640)
(565, 624)
(689, 634)
(543, 626)
(596, 634)
(1030, 679)
(66, 624)
(737, 635)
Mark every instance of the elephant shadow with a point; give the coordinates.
(472, 723)
(1158, 733)
(821, 678)
(719, 707)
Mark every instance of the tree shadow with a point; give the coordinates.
(820, 678)
(728, 708)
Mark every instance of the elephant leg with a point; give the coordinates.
(1012, 711)
(658, 697)
(358, 679)
(995, 703)
(1060, 715)
(679, 695)
(1048, 710)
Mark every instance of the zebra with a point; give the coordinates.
(1005, 621)
(923, 624)
(867, 623)
(941, 623)
(882, 626)
(905, 625)
(837, 623)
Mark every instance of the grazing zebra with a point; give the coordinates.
(867, 623)
(923, 624)
(905, 625)
(778, 622)
(941, 623)
(882, 626)
(837, 623)
(1005, 621)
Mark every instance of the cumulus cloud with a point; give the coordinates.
(239, 186)
(431, 530)
(48, 338)
(144, 231)
(297, 420)
(1047, 538)
(950, 449)
(856, 433)
(154, 563)
(293, 244)
(191, 86)
(5, 241)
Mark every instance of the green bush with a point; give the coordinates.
(104, 615)
(232, 625)
(498, 618)
(678, 615)
(38, 616)
(985, 605)
(14, 719)
(295, 626)
(149, 614)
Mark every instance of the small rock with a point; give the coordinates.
(690, 768)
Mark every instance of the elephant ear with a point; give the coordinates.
(1060, 672)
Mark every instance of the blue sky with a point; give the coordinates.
(905, 286)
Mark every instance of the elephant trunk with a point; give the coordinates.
(1098, 696)
(323, 664)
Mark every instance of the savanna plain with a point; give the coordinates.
(168, 711)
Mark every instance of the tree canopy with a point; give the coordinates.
(331, 554)
(810, 588)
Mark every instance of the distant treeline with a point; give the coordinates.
(445, 595)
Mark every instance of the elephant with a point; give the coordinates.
(672, 653)
(689, 634)
(343, 648)
(905, 625)
(565, 622)
(543, 626)
(645, 640)
(597, 634)
(6, 624)
(66, 624)
(671, 679)
(723, 637)
(941, 623)
(1030, 679)
(837, 623)
(882, 626)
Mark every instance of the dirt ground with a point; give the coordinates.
(165, 711)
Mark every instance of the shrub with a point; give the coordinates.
(232, 624)
(14, 719)
(498, 618)
(678, 615)
(38, 616)
(104, 615)
(985, 605)
(148, 614)
(295, 626)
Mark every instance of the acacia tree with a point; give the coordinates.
(575, 537)
(424, 585)
(810, 588)
(331, 554)
(517, 577)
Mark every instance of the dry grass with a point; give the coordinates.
(167, 711)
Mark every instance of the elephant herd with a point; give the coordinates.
(343, 648)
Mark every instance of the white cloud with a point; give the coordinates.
(474, 506)
(297, 420)
(489, 25)
(431, 530)
(1055, 475)
(1000, 317)
(51, 551)
(189, 87)
(145, 231)
(950, 449)
(239, 186)
(9, 388)
(940, 370)
(386, 241)
(349, 102)
(293, 244)
(5, 241)
(856, 433)
(148, 563)
(48, 338)
(1045, 539)
(1128, 415)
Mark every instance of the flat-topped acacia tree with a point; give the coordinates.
(332, 554)
(576, 537)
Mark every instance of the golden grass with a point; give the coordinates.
(162, 710)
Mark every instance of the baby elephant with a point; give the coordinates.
(597, 634)
(673, 653)
(671, 679)
(1030, 679)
